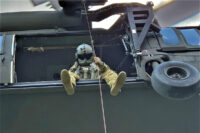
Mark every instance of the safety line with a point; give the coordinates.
(100, 88)
(87, 19)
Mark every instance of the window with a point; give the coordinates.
(1, 44)
(41, 58)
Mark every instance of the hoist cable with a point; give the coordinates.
(100, 88)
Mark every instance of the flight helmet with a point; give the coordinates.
(84, 54)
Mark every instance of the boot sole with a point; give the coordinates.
(119, 83)
(65, 77)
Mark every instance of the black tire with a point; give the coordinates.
(176, 80)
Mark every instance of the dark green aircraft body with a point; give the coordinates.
(36, 46)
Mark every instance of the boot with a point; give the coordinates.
(118, 83)
(67, 83)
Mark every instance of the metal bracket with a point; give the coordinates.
(139, 38)
(149, 56)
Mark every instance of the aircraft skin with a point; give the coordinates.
(37, 46)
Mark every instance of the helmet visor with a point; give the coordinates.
(84, 56)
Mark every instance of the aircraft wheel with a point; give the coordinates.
(176, 80)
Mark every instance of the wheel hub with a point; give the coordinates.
(176, 73)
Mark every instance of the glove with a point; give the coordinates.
(98, 62)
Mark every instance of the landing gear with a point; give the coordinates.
(176, 80)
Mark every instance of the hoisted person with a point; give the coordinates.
(88, 66)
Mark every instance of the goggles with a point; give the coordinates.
(85, 56)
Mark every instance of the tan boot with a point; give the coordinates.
(66, 80)
(118, 83)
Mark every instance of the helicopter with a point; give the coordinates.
(162, 66)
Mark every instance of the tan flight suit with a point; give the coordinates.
(92, 72)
